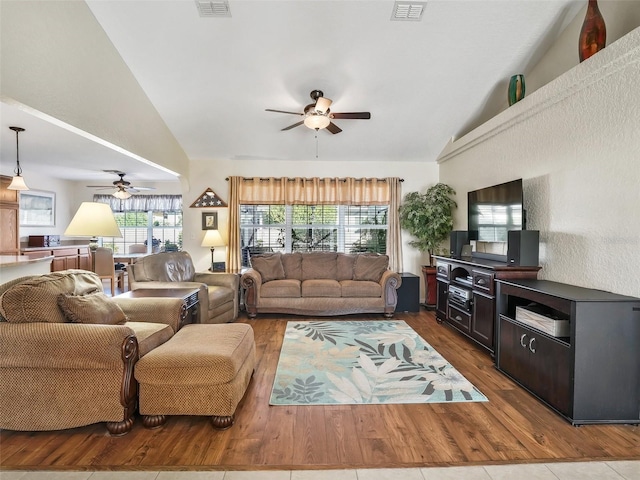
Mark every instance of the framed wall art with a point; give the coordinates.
(37, 209)
(209, 221)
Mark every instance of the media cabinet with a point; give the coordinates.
(590, 376)
(475, 318)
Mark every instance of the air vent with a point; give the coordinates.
(210, 8)
(408, 11)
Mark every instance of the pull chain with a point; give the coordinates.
(316, 143)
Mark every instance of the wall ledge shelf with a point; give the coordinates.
(612, 60)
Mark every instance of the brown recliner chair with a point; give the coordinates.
(218, 294)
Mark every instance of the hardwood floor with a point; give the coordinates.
(513, 427)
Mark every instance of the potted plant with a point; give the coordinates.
(429, 218)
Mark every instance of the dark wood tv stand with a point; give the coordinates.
(477, 321)
(591, 375)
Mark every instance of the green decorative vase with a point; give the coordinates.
(516, 89)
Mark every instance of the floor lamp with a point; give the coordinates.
(93, 220)
(212, 239)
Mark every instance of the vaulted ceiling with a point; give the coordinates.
(211, 78)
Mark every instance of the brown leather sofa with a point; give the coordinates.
(219, 292)
(67, 352)
(320, 283)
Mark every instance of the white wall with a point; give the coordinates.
(57, 60)
(212, 173)
(576, 144)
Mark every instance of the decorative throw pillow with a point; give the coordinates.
(269, 266)
(317, 265)
(35, 299)
(370, 267)
(345, 265)
(95, 308)
(292, 264)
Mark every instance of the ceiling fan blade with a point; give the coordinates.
(282, 111)
(333, 128)
(104, 187)
(292, 126)
(352, 115)
(140, 188)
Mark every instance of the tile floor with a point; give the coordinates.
(619, 470)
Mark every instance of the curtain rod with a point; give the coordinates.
(343, 179)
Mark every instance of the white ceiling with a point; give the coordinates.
(211, 79)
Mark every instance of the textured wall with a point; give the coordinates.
(576, 144)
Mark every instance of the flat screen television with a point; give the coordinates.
(493, 211)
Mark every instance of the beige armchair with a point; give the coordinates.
(57, 373)
(218, 292)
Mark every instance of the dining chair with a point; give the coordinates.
(106, 269)
(138, 248)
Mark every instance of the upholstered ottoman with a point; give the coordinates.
(204, 369)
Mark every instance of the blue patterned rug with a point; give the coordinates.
(364, 362)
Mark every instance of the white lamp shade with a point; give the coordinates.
(322, 105)
(121, 194)
(317, 121)
(93, 220)
(213, 239)
(17, 183)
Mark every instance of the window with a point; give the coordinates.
(310, 228)
(163, 227)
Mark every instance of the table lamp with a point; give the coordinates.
(93, 220)
(212, 239)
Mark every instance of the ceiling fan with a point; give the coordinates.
(123, 187)
(318, 116)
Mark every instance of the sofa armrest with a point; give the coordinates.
(218, 279)
(251, 281)
(390, 282)
(168, 311)
(63, 345)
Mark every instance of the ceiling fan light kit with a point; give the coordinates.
(317, 116)
(123, 187)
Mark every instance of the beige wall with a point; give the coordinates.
(576, 144)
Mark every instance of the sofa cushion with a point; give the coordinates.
(92, 308)
(292, 264)
(150, 335)
(36, 299)
(321, 288)
(319, 265)
(370, 267)
(345, 264)
(269, 266)
(360, 288)
(287, 288)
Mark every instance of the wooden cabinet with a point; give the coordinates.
(9, 219)
(591, 376)
(64, 258)
(477, 319)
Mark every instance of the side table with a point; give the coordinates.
(189, 313)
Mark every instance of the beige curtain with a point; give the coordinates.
(234, 260)
(314, 191)
(394, 237)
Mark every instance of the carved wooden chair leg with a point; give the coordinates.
(221, 422)
(117, 429)
(154, 421)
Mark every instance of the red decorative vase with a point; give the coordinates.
(593, 35)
